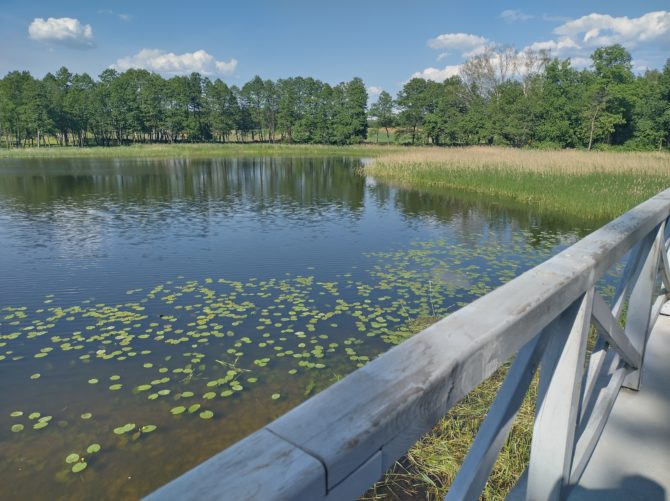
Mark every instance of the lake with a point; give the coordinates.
(153, 312)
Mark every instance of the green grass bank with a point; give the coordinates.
(595, 186)
(199, 150)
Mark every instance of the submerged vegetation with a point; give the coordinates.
(595, 186)
(183, 353)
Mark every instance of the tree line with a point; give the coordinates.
(139, 106)
(529, 99)
(500, 97)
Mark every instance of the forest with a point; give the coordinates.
(500, 97)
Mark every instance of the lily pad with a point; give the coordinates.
(17, 428)
(79, 467)
(206, 414)
(72, 458)
(93, 448)
(178, 410)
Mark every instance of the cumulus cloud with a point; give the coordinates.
(437, 74)
(602, 29)
(512, 16)
(465, 43)
(169, 63)
(557, 48)
(65, 31)
(576, 39)
(374, 91)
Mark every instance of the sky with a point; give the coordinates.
(385, 42)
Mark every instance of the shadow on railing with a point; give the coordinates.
(338, 443)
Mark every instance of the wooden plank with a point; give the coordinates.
(261, 466)
(493, 432)
(595, 419)
(358, 482)
(665, 268)
(640, 306)
(558, 402)
(609, 328)
(630, 273)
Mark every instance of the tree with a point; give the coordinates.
(382, 112)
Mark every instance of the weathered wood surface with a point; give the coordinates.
(261, 466)
(557, 396)
(358, 427)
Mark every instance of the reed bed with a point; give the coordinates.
(590, 185)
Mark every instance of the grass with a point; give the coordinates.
(592, 185)
(197, 150)
(430, 466)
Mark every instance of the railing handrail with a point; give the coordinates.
(340, 441)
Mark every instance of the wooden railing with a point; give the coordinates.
(338, 443)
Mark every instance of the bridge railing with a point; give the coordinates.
(338, 443)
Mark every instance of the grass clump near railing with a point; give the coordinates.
(197, 150)
(591, 185)
(430, 466)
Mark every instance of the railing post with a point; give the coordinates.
(638, 314)
(557, 405)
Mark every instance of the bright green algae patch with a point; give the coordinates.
(202, 356)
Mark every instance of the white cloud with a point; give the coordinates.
(602, 29)
(62, 31)
(463, 42)
(557, 48)
(374, 91)
(646, 36)
(438, 75)
(169, 63)
(511, 16)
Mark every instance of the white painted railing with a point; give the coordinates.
(338, 443)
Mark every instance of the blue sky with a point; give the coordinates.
(383, 41)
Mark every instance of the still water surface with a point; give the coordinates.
(164, 309)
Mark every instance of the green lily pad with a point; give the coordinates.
(72, 458)
(34, 415)
(275, 396)
(193, 408)
(86, 415)
(17, 428)
(178, 410)
(148, 428)
(206, 414)
(143, 387)
(93, 448)
(16, 413)
(35, 376)
(115, 387)
(93, 381)
(79, 467)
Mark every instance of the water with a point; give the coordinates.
(149, 292)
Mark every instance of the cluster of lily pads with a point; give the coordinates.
(190, 346)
